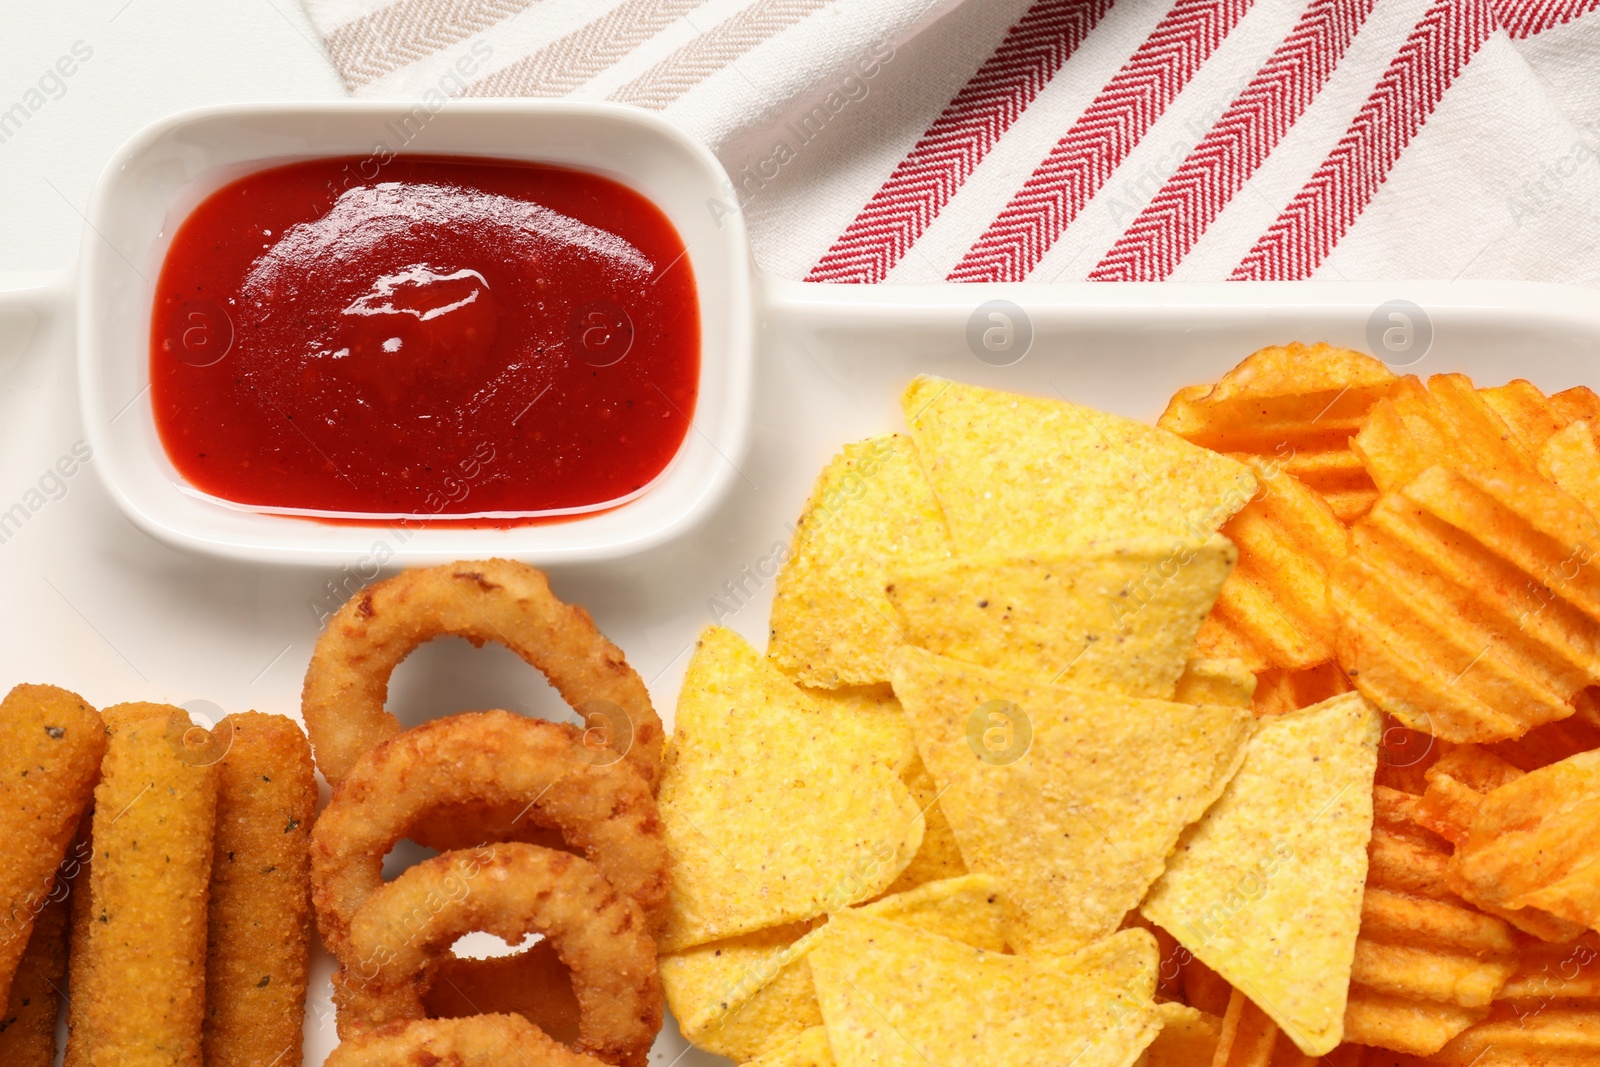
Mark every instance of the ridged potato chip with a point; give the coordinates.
(1294, 407)
(1527, 411)
(1021, 474)
(1571, 459)
(1248, 1037)
(1286, 840)
(1456, 785)
(1427, 965)
(1114, 615)
(774, 809)
(895, 996)
(1467, 607)
(1550, 743)
(1071, 798)
(746, 996)
(1535, 842)
(1276, 600)
(1445, 421)
(1559, 1034)
(872, 511)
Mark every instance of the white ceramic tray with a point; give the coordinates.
(94, 603)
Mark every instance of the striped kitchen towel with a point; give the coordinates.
(1007, 140)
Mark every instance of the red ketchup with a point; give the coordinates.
(450, 337)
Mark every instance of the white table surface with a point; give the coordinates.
(149, 58)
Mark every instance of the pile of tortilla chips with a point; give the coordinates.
(1257, 736)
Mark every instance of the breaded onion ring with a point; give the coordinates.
(481, 1041)
(491, 600)
(606, 811)
(533, 983)
(509, 890)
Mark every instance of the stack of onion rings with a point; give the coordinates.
(487, 600)
(604, 811)
(479, 1041)
(569, 841)
(510, 890)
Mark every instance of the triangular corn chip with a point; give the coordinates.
(894, 996)
(1071, 798)
(1227, 682)
(940, 855)
(873, 714)
(1020, 474)
(1114, 615)
(1188, 1037)
(1266, 889)
(745, 996)
(872, 511)
(773, 808)
(809, 1049)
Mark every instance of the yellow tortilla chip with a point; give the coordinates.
(940, 855)
(1071, 798)
(877, 716)
(1114, 615)
(772, 811)
(1227, 682)
(874, 717)
(745, 996)
(1021, 474)
(728, 994)
(872, 511)
(967, 909)
(1266, 890)
(894, 996)
(1188, 1037)
(810, 1049)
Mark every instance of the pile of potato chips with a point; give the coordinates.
(1260, 736)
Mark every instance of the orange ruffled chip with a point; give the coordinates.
(1469, 606)
(1419, 426)
(1274, 606)
(1296, 406)
(1427, 964)
(1535, 842)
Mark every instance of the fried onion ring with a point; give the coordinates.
(480, 1041)
(494, 758)
(509, 890)
(490, 600)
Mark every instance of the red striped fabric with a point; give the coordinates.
(1108, 130)
(1231, 151)
(957, 141)
(1524, 18)
(1438, 49)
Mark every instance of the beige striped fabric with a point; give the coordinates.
(720, 67)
